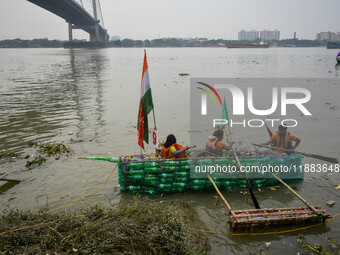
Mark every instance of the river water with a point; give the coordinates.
(88, 99)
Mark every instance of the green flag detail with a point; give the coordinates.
(224, 113)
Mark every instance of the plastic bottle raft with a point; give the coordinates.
(148, 174)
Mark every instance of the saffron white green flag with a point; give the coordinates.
(145, 106)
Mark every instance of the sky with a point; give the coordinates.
(151, 19)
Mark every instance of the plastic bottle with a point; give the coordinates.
(152, 170)
(165, 180)
(166, 175)
(182, 174)
(164, 186)
(198, 182)
(151, 164)
(181, 179)
(184, 163)
(136, 166)
(169, 169)
(136, 172)
(133, 188)
(171, 163)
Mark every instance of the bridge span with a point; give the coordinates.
(78, 17)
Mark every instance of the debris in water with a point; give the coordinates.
(332, 107)
(330, 203)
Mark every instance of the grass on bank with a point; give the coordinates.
(129, 227)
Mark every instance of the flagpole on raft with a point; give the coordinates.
(154, 119)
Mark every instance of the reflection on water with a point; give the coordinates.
(56, 96)
(337, 67)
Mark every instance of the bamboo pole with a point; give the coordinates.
(296, 194)
(256, 204)
(328, 159)
(222, 197)
(9, 180)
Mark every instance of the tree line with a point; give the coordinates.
(164, 42)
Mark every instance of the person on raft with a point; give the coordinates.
(283, 139)
(214, 146)
(172, 149)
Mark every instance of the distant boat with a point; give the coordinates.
(333, 45)
(249, 45)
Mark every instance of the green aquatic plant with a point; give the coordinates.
(318, 249)
(8, 154)
(36, 161)
(49, 149)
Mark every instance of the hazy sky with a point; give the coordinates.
(150, 19)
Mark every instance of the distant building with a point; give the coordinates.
(248, 35)
(328, 36)
(267, 35)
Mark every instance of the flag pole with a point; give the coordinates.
(154, 119)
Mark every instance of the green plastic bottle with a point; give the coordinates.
(150, 180)
(171, 163)
(182, 174)
(136, 166)
(166, 175)
(136, 177)
(165, 180)
(163, 186)
(179, 185)
(151, 170)
(151, 164)
(133, 188)
(198, 182)
(169, 169)
(184, 163)
(181, 179)
(136, 172)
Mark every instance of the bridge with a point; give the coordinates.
(78, 17)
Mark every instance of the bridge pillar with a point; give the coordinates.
(70, 37)
(96, 29)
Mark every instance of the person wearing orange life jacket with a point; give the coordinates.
(172, 149)
(214, 146)
(283, 139)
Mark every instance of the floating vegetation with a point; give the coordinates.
(8, 154)
(183, 74)
(48, 149)
(315, 248)
(36, 161)
(129, 227)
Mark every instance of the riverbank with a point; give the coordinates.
(129, 227)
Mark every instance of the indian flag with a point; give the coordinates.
(145, 106)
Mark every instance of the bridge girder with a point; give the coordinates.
(73, 13)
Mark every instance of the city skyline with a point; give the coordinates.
(180, 19)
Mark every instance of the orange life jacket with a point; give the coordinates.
(165, 152)
(287, 142)
(211, 149)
